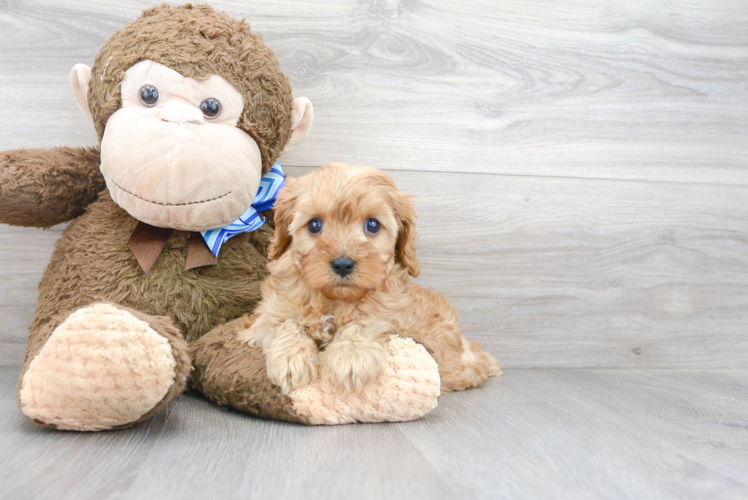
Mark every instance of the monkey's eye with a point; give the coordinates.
(211, 107)
(315, 225)
(149, 95)
(372, 225)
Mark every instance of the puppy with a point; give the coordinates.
(343, 250)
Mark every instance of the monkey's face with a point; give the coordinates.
(173, 157)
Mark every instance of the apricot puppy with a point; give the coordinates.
(343, 250)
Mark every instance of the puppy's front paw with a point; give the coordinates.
(291, 363)
(353, 364)
(290, 371)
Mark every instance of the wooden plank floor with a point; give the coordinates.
(534, 433)
(580, 171)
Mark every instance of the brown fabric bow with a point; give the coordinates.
(147, 242)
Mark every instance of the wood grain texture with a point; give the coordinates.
(655, 434)
(603, 89)
(24, 253)
(639, 90)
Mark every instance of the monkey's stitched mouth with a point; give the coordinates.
(172, 204)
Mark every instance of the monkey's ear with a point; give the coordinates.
(301, 122)
(80, 77)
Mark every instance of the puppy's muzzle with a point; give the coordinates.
(343, 266)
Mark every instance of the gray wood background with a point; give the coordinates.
(580, 167)
(581, 177)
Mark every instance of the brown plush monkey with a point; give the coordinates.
(191, 109)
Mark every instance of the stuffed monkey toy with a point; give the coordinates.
(166, 248)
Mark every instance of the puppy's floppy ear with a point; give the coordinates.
(405, 247)
(283, 217)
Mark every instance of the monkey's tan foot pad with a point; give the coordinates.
(103, 367)
(407, 389)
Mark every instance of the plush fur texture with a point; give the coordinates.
(232, 373)
(306, 306)
(197, 41)
(407, 389)
(92, 263)
(103, 367)
(43, 187)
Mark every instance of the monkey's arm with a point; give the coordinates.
(43, 187)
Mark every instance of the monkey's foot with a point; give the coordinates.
(105, 367)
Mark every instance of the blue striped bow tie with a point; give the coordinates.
(250, 220)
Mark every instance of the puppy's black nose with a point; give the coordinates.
(343, 266)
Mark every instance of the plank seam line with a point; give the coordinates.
(455, 172)
(415, 446)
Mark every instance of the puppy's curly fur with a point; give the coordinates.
(308, 306)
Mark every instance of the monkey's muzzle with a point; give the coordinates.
(171, 169)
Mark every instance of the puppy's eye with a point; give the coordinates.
(372, 225)
(315, 225)
(211, 107)
(149, 95)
